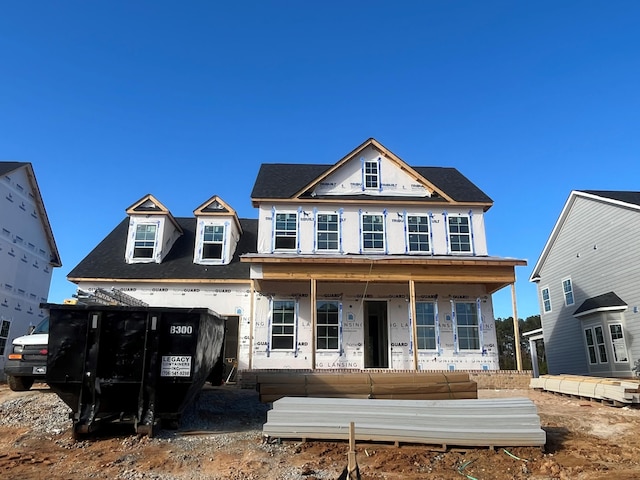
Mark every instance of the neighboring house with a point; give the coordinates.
(28, 253)
(589, 286)
(365, 263)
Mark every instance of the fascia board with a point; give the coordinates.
(554, 233)
(55, 261)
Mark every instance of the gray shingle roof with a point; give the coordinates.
(606, 300)
(621, 196)
(107, 260)
(284, 180)
(6, 167)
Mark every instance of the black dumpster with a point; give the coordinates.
(138, 365)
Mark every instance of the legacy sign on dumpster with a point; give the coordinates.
(175, 366)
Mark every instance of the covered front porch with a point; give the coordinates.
(397, 313)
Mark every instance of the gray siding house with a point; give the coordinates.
(588, 279)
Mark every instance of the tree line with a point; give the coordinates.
(507, 346)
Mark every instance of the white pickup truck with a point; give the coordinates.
(27, 361)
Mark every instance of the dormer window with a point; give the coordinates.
(213, 242)
(371, 174)
(145, 240)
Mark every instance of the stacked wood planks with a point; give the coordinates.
(407, 386)
(472, 422)
(617, 392)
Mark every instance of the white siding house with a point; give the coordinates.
(589, 285)
(363, 263)
(28, 253)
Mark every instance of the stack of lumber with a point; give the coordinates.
(406, 386)
(608, 390)
(496, 422)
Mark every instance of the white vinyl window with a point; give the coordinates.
(596, 347)
(426, 325)
(591, 346)
(328, 323)
(467, 326)
(418, 233)
(145, 240)
(327, 231)
(212, 242)
(602, 349)
(546, 300)
(371, 174)
(567, 289)
(617, 343)
(373, 232)
(286, 234)
(283, 325)
(459, 234)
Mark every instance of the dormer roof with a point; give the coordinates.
(149, 205)
(216, 207)
(298, 182)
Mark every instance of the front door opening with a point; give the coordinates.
(376, 337)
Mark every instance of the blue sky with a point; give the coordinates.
(111, 100)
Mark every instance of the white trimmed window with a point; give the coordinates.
(591, 346)
(4, 335)
(213, 242)
(618, 344)
(328, 323)
(426, 325)
(596, 347)
(467, 325)
(459, 233)
(283, 325)
(371, 174)
(373, 232)
(145, 240)
(567, 290)
(418, 233)
(546, 300)
(327, 231)
(286, 233)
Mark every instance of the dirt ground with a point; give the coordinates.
(220, 438)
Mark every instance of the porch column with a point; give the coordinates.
(516, 328)
(314, 321)
(251, 315)
(414, 327)
(534, 357)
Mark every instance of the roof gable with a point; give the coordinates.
(8, 167)
(620, 199)
(343, 180)
(216, 207)
(149, 205)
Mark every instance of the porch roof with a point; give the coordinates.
(492, 272)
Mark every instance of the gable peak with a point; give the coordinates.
(214, 206)
(147, 205)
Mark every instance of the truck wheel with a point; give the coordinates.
(19, 384)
